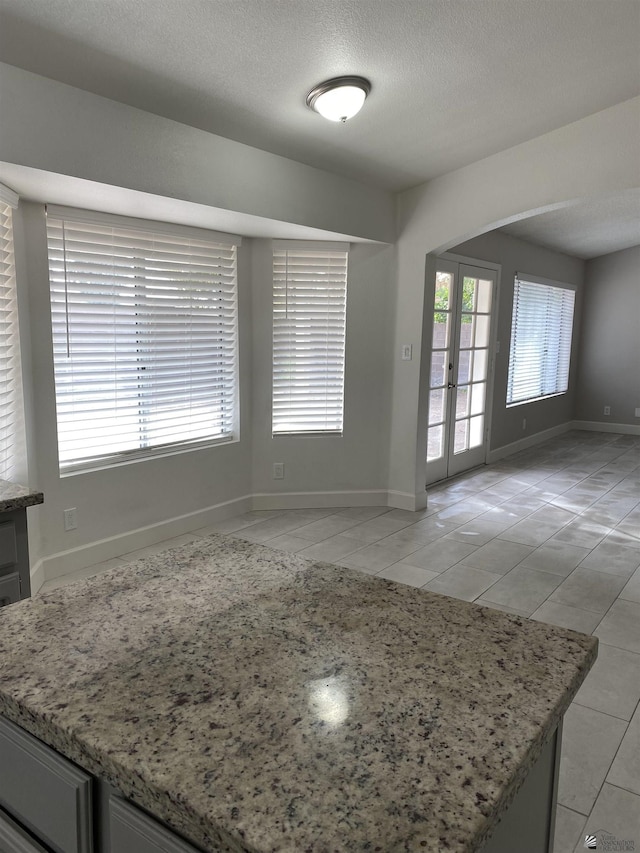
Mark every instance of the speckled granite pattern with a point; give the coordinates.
(13, 496)
(257, 701)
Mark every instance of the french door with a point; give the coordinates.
(464, 296)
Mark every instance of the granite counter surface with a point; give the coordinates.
(257, 701)
(13, 496)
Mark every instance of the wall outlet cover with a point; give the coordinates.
(278, 470)
(70, 518)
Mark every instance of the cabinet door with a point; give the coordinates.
(13, 839)
(8, 547)
(9, 588)
(133, 831)
(44, 792)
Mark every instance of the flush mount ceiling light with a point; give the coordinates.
(340, 98)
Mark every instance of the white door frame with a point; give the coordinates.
(427, 341)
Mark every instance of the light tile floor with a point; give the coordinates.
(551, 533)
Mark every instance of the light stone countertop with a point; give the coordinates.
(257, 701)
(13, 496)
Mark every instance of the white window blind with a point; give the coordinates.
(11, 404)
(541, 332)
(144, 338)
(309, 321)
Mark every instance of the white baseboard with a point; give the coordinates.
(37, 576)
(64, 562)
(598, 426)
(302, 500)
(529, 441)
(405, 500)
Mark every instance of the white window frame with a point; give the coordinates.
(12, 445)
(130, 307)
(542, 324)
(309, 337)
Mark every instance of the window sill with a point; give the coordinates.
(535, 399)
(143, 456)
(310, 434)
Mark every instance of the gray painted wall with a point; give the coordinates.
(167, 159)
(121, 498)
(115, 501)
(517, 255)
(590, 158)
(609, 356)
(357, 460)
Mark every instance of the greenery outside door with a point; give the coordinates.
(461, 358)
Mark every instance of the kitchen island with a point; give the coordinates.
(15, 580)
(252, 700)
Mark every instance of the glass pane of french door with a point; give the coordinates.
(473, 361)
(460, 362)
(440, 365)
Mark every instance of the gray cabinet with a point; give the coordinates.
(48, 805)
(528, 824)
(8, 543)
(44, 793)
(14, 839)
(9, 588)
(15, 580)
(133, 831)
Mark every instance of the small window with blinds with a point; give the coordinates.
(11, 407)
(541, 334)
(144, 322)
(309, 322)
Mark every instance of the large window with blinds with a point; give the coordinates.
(144, 323)
(11, 407)
(541, 334)
(309, 322)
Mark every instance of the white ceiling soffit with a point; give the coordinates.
(453, 81)
(36, 185)
(585, 230)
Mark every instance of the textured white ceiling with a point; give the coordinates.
(453, 80)
(586, 230)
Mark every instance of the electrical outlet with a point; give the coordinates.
(607, 410)
(524, 423)
(407, 352)
(278, 470)
(70, 518)
(638, 413)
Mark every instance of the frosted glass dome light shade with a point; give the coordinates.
(340, 98)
